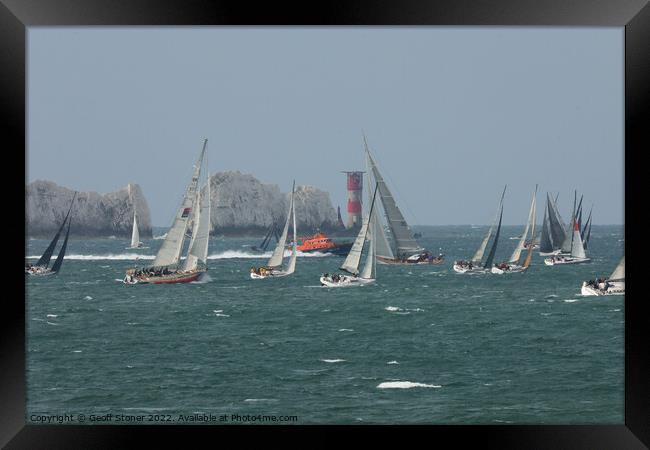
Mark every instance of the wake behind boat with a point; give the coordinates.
(404, 249)
(614, 285)
(41, 267)
(167, 267)
(351, 263)
(273, 267)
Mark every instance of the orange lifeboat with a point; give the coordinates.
(321, 243)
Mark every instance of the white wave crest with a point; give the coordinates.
(231, 254)
(404, 385)
(332, 360)
(110, 256)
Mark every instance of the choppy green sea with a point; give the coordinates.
(422, 345)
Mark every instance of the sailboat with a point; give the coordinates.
(273, 267)
(577, 255)
(553, 229)
(475, 265)
(271, 232)
(512, 265)
(614, 285)
(135, 233)
(41, 266)
(404, 249)
(195, 209)
(352, 261)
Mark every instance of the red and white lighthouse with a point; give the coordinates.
(355, 190)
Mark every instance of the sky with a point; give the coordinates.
(451, 114)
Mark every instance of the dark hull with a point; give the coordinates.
(172, 278)
(383, 260)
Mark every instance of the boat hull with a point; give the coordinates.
(565, 260)
(174, 278)
(464, 269)
(396, 261)
(347, 281)
(587, 290)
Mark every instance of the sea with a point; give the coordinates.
(422, 345)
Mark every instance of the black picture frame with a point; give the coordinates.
(634, 15)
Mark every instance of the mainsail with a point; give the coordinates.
(478, 256)
(351, 263)
(198, 248)
(545, 242)
(405, 243)
(170, 251)
(521, 245)
(577, 249)
(44, 260)
(291, 267)
(619, 273)
(278, 253)
(490, 258)
(586, 230)
(558, 230)
(135, 234)
(59, 258)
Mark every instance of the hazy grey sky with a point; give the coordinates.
(451, 113)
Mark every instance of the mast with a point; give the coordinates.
(291, 267)
(278, 252)
(490, 258)
(44, 260)
(476, 259)
(619, 273)
(529, 255)
(170, 250)
(59, 258)
(351, 263)
(404, 241)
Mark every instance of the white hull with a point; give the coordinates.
(465, 269)
(565, 260)
(270, 274)
(345, 281)
(39, 273)
(593, 291)
(511, 269)
(141, 246)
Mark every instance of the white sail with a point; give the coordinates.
(381, 245)
(619, 273)
(170, 250)
(278, 252)
(403, 238)
(369, 266)
(478, 256)
(135, 234)
(198, 248)
(351, 263)
(577, 248)
(521, 245)
(291, 267)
